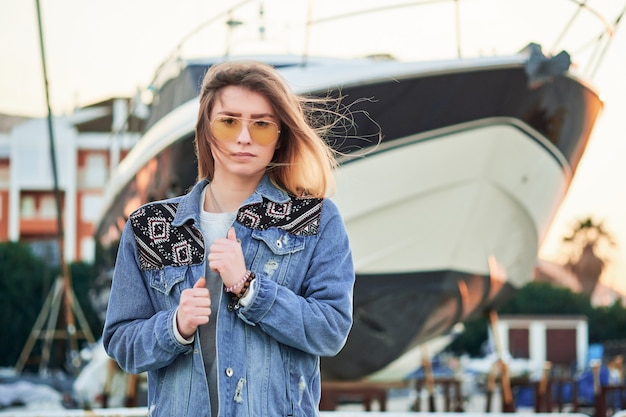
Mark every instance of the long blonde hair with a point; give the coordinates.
(303, 162)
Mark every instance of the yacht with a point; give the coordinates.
(451, 172)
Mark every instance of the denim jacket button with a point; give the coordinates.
(229, 372)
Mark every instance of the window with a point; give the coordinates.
(48, 250)
(95, 170)
(48, 208)
(28, 209)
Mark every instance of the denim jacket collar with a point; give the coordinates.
(188, 207)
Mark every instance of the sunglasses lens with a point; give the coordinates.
(228, 128)
(263, 131)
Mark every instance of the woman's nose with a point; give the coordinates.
(244, 135)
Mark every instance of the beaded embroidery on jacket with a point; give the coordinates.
(299, 216)
(159, 243)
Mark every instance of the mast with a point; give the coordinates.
(61, 293)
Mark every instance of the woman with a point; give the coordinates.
(229, 295)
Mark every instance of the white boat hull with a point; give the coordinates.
(451, 200)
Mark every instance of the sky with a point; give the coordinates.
(99, 49)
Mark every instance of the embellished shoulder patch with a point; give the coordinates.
(160, 244)
(298, 216)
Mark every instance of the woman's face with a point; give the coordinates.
(245, 132)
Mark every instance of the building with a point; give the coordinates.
(560, 340)
(88, 144)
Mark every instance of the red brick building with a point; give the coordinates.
(88, 144)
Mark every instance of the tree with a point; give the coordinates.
(542, 298)
(607, 323)
(25, 282)
(584, 241)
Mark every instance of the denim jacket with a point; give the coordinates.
(268, 350)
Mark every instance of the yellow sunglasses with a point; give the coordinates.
(227, 128)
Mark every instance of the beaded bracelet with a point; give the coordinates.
(241, 282)
(246, 285)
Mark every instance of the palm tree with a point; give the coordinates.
(585, 238)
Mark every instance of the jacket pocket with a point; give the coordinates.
(277, 249)
(167, 284)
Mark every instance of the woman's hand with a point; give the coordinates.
(226, 258)
(194, 308)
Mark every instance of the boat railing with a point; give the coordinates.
(228, 20)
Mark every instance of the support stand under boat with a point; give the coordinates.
(60, 294)
(500, 366)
